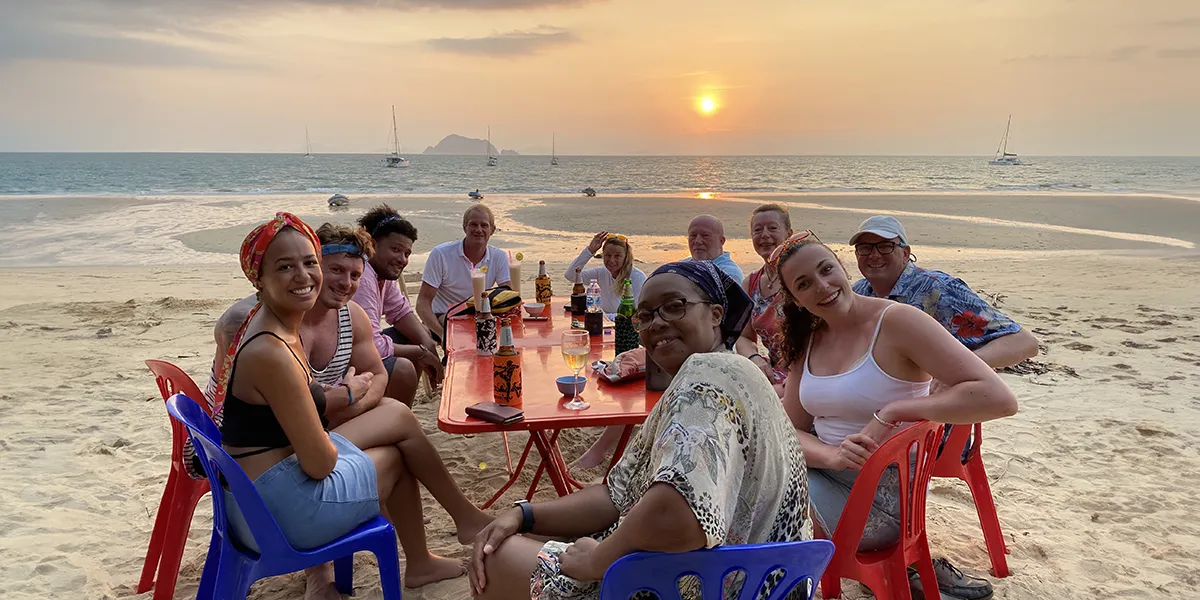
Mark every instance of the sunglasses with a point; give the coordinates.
(788, 243)
(618, 237)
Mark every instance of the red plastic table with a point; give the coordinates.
(469, 380)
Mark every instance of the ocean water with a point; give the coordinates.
(217, 174)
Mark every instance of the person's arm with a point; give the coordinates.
(425, 307)
(972, 391)
(580, 262)
(370, 301)
(661, 521)
(1008, 350)
(278, 380)
(422, 354)
(364, 358)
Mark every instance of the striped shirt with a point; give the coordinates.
(340, 362)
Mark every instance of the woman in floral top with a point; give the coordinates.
(716, 462)
(770, 225)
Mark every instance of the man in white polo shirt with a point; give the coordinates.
(447, 277)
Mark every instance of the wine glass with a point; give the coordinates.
(576, 346)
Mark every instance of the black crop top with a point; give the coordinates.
(248, 425)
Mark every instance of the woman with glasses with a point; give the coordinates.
(770, 225)
(715, 463)
(618, 266)
(859, 372)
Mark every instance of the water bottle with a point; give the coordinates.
(593, 296)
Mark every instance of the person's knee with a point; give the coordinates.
(402, 381)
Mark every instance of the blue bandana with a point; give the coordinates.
(350, 249)
(722, 289)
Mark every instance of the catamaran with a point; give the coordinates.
(1003, 156)
(553, 155)
(394, 159)
(307, 145)
(491, 160)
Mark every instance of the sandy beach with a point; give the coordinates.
(1094, 478)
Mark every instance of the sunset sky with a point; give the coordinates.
(1081, 77)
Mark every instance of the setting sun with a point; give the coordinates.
(707, 105)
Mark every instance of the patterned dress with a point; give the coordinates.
(767, 320)
(720, 437)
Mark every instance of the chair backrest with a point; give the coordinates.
(914, 451)
(172, 380)
(660, 572)
(217, 463)
(952, 457)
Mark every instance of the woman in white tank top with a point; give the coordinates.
(860, 370)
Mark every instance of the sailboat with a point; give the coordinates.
(394, 159)
(1003, 156)
(553, 154)
(491, 160)
(307, 145)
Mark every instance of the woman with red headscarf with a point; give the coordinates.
(318, 485)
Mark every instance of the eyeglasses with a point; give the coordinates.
(883, 248)
(671, 310)
(788, 243)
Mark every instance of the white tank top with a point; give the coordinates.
(843, 404)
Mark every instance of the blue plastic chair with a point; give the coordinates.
(230, 568)
(659, 572)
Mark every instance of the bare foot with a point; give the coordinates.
(469, 528)
(319, 583)
(433, 569)
(593, 458)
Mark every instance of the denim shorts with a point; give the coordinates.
(313, 512)
(828, 491)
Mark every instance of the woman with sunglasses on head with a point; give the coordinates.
(715, 463)
(770, 225)
(859, 372)
(618, 266)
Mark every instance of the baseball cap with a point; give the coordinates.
(883, 226)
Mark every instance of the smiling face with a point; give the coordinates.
(341, 274)
(768, 230)
(478, 226)
(291, 273)
(614, 255)
(391, 255)
(706, 238)
(816, 280)
(693, 326)
(881, 267)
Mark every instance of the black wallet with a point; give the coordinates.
(495, 413)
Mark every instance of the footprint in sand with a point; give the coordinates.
(1131, 329)
(1160, 322)
(1168, 340)
(1124, 367)
(1080, 346)
(1138, 345)
(1105, 320)
(1144, 308)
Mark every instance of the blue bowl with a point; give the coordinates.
(565, 384)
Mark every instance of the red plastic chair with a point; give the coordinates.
(951, 464)
(179, 498)
(885, 572)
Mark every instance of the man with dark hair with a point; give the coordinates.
(406, 338)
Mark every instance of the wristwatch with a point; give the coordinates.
(526, 515)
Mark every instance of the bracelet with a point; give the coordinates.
(351, 392)
(888, 424)
(526, 515)
(757, 355)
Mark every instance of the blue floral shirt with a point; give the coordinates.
(948, 299)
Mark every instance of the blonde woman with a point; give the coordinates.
(618, 266)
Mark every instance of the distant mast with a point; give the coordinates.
(1003, 156)
(553, 152)
(491, 160)
(307, 145)
(394, 159)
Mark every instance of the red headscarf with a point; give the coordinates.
(255, 244)
(254, 247)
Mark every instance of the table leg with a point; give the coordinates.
(546, 447)
(513, 474)
(620, 450)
